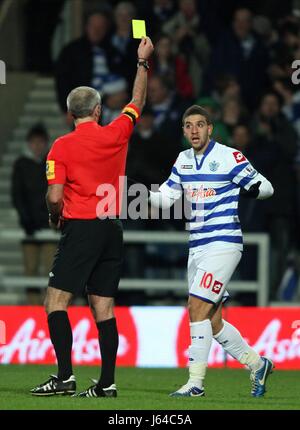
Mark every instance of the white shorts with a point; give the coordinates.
(209, 273)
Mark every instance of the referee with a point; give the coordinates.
(90, 250)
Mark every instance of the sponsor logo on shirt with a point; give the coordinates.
(186, 166)
(50, 169)
(239, 157)
(200, 193)
(213, 166)
(217, 287)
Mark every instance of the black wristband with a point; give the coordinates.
(143, 63)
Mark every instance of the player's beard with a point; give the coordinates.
(204, 139)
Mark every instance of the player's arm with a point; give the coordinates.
(261, 190)
(160, 199)
(169, 191)
(252, 183)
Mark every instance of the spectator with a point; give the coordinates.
(167, 108)
(289, 36)
(158, 12)
(241, 53)
(251, 213)
(291, 109)
(286, 51)
(147, 148)
(150, 157)
(226, 87)
(115, 96)
(241, 139)
(40, 22)
(172, 67)
(87, 61)
(29, 186)
(276, 146)
(122, 40)
(232, 113)
(291, 101)
(185, 30)
(262, 26)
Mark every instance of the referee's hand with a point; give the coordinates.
(55, 224)
(145, 48)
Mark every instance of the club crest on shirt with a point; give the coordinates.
(213, 166)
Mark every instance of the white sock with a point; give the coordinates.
(233, 343)
(201, 338)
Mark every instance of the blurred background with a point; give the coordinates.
(234, 60)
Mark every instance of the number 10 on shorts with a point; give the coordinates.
(208, 281)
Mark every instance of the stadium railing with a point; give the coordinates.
(260, 286)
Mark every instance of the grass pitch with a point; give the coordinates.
(148, 389)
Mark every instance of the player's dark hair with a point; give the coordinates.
(38, 130)
(196, 110)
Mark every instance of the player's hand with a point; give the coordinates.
(145, 48)
(253, 191)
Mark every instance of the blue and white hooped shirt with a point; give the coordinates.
(211, 183)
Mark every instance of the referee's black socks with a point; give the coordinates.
(62, 339)
(109, 342)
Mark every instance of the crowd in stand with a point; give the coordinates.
(234, 61)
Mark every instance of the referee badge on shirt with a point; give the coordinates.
(50, 169)
(213, 166)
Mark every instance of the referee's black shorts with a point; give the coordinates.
(89, 257)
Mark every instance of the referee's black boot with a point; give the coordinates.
(54, 386)
(95, 391)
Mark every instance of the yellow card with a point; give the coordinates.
(138, 28)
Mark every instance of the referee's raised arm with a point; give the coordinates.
(139, 91)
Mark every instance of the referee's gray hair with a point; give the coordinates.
(82, 101)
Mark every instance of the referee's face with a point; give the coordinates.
(197, 132)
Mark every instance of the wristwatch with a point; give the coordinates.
(143, 63)
(54, 218)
